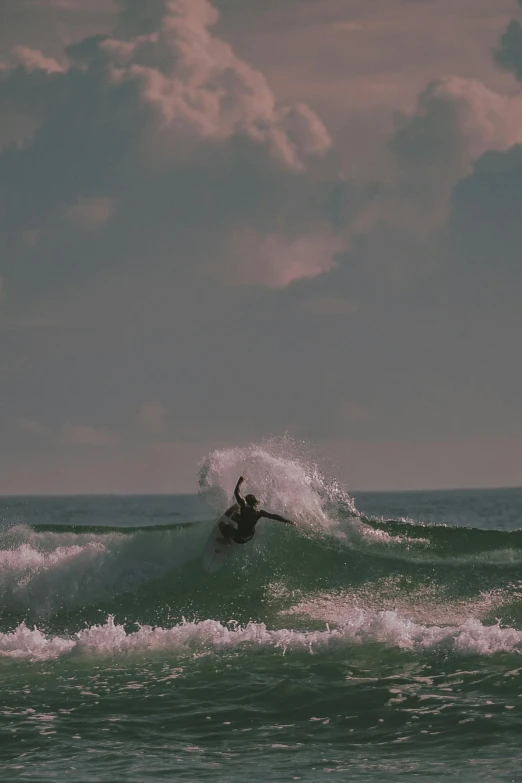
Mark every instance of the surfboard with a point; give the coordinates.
(215, 553)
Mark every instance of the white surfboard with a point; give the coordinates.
(215, 553)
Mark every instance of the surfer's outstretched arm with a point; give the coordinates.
(277, 517)
(237, 494)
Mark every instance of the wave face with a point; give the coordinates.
(395, 617)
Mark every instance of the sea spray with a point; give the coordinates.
(282, 478)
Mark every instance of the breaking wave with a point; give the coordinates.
(339, 579)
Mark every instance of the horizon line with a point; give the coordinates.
(195, 494)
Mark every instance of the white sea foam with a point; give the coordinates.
(33, 644)
(427, 604)
(210, 636)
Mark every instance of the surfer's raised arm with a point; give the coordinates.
(277, 517)
(237, 494)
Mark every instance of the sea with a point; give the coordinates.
(380, 640)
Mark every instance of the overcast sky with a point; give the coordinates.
(223, 222)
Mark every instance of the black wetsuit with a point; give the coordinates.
(246, 518)
(246, 524)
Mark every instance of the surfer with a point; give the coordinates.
(249, 516)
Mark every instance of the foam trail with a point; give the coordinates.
(362, 627)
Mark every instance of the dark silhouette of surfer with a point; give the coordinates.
(246, 518)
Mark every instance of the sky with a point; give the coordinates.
(224, 222)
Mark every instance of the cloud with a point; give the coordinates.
(509, 54)
(151, 416)
(162, 143)
(453, 204)
(92, 212)
(198, 89)
(275, 260)
(485, 228)
(27, 97)
(30, 426)
(148, 172)
(35, 60)
(85, 435)
(455, 122)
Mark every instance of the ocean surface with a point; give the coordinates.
(381, 640)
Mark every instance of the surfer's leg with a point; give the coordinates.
(229, 531)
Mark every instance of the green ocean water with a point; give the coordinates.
(381, 640)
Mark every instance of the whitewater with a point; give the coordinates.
(380, 638)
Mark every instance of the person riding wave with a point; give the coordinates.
(248, 517)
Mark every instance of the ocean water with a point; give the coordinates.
(381, 640)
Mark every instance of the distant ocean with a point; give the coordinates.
(379, 641)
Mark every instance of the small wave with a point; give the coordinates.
(209, 636)
(45, 572)
(448, 539)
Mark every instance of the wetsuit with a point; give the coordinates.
(246, 524)
(246, 518)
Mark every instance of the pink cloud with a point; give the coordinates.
(276, 261)
(85, 435)
(467, 113)
(184, 92)
(201, 90)
(453, 123)
(92, 212)
(151, 416)
(35, 60)
(31, 426)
